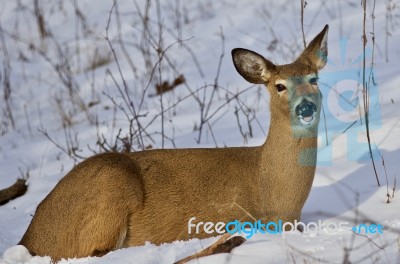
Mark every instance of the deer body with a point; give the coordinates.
(116, 200)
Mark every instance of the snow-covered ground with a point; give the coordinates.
(65, 86)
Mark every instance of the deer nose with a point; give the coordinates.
(306, 109)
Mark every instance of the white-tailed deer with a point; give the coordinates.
(116, 200)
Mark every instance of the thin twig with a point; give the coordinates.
(303, 5)
(366, 92)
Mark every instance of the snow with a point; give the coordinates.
(343, 189)
(19, 254)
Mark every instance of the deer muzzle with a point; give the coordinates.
(306, 111)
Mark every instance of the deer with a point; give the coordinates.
(116, 200)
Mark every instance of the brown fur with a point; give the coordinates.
(116, 200)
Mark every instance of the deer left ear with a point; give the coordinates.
(252, 66)
(316, 53)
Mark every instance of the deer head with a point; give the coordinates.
(295, 96)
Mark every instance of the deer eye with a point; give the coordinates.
(314, 81)
(280, 87)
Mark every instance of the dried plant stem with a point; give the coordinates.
(366, 93)
(302, 22)
(224, 244)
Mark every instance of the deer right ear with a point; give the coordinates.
(252, 66)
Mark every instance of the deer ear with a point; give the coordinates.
(252, 66)
(317, 51)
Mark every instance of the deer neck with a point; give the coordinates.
(287, 169)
